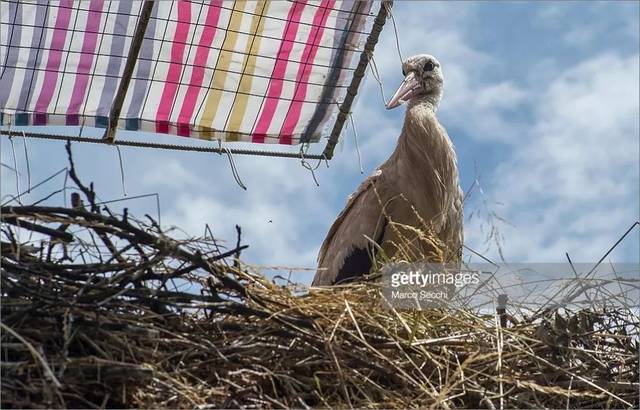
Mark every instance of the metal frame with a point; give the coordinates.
(109, 137)
(176, 147)
(358, 74)
(132, 57)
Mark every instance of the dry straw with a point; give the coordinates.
(103, 310)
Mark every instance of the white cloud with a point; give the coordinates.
(586, 127)
(602, 18)
(171, 174)
(560, 168)
(580, 36)
(572, 181)
(279, 213)
(470, 103)
(268, 228)
(567, 182)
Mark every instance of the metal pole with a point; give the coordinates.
(156, 145)
(132, 58)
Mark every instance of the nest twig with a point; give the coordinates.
(104, 310)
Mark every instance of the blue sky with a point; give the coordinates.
(541, 102)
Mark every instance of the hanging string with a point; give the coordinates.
(122, 181)
(373, 66)
(308, 166)
(389, 11)
(234, 170)
(14, 197)
(64, 187)
(26, 156)
(376, 75)
(305, 164)
(355, 138)
(15, 162)
(15, 166)
(232, 164)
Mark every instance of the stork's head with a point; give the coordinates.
(422, 81)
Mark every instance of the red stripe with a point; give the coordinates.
(86, 59)
(197, 75)
(55, 56)
(175, 68)
(304, 71)
(275, 83)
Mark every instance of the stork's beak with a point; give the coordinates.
(409, 88)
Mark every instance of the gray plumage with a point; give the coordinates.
(416, 187)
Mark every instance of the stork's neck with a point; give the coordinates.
(422, 136)
(428, 101)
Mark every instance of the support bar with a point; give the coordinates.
(132, 58)
(175, 147)
(358, 74)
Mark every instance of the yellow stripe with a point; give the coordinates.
(222, 69)
(251, 53)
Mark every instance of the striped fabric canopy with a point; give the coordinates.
(257, 71)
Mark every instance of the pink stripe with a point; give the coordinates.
(86, 58)
(197, 75)
(55, 56)
(175, 68)
(275, 83)
(304, 71)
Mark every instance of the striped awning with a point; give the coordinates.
(256, 71)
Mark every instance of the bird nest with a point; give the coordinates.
(104, 310)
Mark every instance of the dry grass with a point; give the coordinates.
(149, 321)
(103, 310)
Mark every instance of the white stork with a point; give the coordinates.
(417, 187)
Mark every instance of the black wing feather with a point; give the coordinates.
(359, 261)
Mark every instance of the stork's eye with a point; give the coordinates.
(404, 73)
(429, 66)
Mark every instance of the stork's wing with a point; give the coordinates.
(452, 231)
(346, 251)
